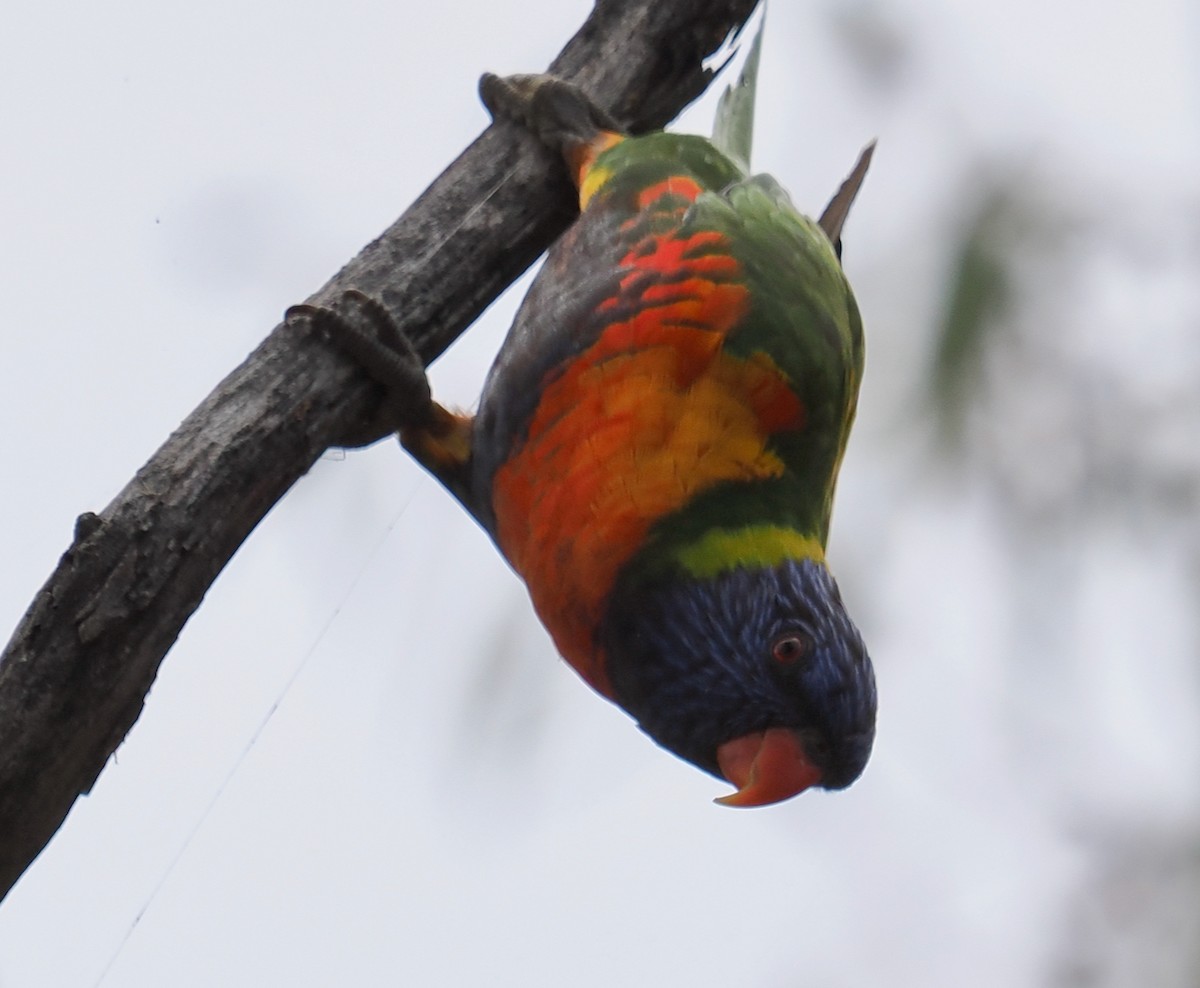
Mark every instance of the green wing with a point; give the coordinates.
(802, 316)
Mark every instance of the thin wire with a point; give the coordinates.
(431, 250)
(237, 764)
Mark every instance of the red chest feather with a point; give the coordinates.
(633, 428)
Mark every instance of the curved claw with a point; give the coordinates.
(560, 114)
(362, 329)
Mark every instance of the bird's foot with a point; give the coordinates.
(560, 114)
(362, 329)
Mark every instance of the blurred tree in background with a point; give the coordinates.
(1063, 385)
(1066, 378)
(434, 799)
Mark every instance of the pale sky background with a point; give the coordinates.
(437, 799)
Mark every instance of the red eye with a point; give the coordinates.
(789, 649)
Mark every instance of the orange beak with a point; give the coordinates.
(766, 766)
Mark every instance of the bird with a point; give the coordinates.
(656, 447)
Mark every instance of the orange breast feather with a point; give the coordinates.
(647, 417)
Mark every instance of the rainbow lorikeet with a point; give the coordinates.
(657, 444)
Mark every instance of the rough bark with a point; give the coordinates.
(75, 675)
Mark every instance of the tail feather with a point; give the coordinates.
(838, 209)
(733, 128)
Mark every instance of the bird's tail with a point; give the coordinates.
(733, 128)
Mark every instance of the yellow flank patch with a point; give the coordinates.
(593, 182)
(581, 160)
(753, 545)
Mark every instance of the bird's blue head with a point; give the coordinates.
(756, 675)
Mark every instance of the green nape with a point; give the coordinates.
(752, 545)
(633, 165)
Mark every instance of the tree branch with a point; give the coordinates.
(75, 675)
